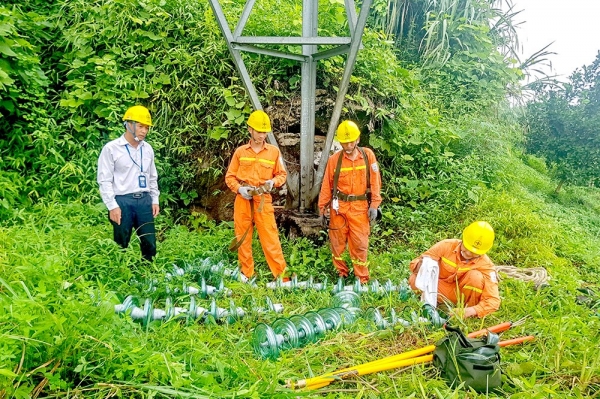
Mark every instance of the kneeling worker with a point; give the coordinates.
(459, 271)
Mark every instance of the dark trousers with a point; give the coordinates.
(136, 213)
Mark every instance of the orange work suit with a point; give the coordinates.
(349, 225)
(473, 281)
(253, 169)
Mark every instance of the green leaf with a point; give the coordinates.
(472, 195)
(229, 98)
(6, 50)
(77, 63)
(7, 373)
(86, 95)
(140, 94)
(70, 102)
(150, 35)
(218, 133)
(164, 79)
(6, 66)
(5, 29)
(233, 114)
(5, 79)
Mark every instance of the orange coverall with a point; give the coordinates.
(475, 280)
(254, 169)
(350, 224)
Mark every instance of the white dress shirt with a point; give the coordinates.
(119, 171)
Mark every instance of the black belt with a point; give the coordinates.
(135, 195)
(351, 197)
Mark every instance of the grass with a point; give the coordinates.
(50, 265)
(61, 274)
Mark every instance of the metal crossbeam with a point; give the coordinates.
(304, 188)
(308, 40)
(339, 101)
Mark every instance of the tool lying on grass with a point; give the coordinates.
(406, 359)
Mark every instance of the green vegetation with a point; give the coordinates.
(451, 152)
(563, 126)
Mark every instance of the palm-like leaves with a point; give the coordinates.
(433, 27)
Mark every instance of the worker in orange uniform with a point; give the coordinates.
(255, 169)
(464, 274)
(350, 196)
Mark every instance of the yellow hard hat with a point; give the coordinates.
(139, 114)
(259, 121)
(478, 237)
(347, 132)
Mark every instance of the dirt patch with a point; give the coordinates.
(296, 224)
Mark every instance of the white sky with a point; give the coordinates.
(573, 26)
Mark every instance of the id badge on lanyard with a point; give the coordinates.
(141, 178)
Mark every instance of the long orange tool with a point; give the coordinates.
(396, 361)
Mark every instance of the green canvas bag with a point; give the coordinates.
(474, 361)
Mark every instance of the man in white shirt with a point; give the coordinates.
(129, 182)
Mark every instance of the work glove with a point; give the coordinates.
(269, 185)
(372, 214)
(245, 192)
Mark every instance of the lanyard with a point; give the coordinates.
(141, 165)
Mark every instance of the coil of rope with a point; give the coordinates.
(537, 275)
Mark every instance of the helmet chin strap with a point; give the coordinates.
(135, 137)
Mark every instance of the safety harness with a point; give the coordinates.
(337, 194)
